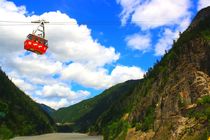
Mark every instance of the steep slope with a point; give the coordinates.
(47, 109)
(84, 114)
(19, 114)
(173, 99)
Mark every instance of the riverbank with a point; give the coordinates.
(60, 136)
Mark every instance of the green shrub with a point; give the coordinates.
(206, 34)
(116, 130)
(202, 112)
(3, 107)
(148, 120)
(3, 110)
(204, 100)
(27, 129)
(5, 133)
(207, 112)
(138, 126)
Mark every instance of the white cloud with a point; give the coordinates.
(165, 42)
(71, 43)
(99, 78)
(123, 73)
(23, 84)
(54, 93)
(184, 24)
(74, 42)
(129, 7)
(203, 4)
(168, 36)
(156, 13)
(166, 17)
(63, 102)
(57, 96)
(139, 42)
(34, 65)
(61, 90)
(95, 78)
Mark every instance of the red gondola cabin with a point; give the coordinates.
(36, 41)
(36, 44)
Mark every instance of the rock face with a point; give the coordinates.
(176, 90)
(202, 15)
(186, 82)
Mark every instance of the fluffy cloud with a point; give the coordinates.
(158, 13)
(154, 13)
(129, 7)
(139, 42)
(169, 35)
(75, 43)
(34, 65)
(96, 78)
(23, 84)
(165, 42)
(63, 102)
(61, 90)
(99, 78)
(203, 4)
(122, 73)
(165, 17)
(73, 56)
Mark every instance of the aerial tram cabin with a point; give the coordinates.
(36, 44)
(36, 41)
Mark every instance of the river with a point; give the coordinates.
(60, 136)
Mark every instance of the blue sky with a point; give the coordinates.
(102, 17)
(106, 42)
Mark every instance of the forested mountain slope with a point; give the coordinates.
(85, 113)
(19, 114)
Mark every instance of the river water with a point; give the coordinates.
(60, 136)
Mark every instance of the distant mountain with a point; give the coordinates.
(171, 102)
(85, 113)
(47, 109)
(19, 114)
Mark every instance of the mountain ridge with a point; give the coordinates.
(46, 108)
(98, 104)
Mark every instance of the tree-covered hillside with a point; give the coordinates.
(19, 114)
(92, 108)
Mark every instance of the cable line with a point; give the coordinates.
(109, 23)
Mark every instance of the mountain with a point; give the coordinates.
(47, 109)
(84, 114)
(19, 114)
(171, 102)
